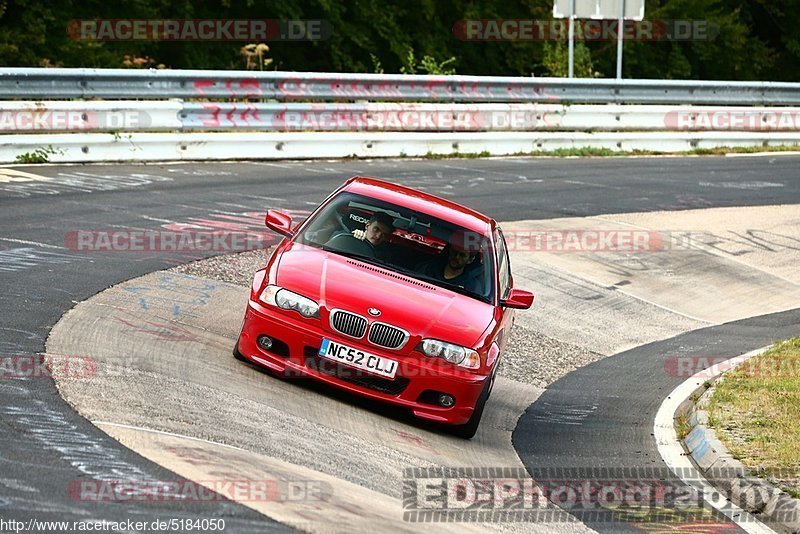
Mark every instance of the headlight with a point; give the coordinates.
(455, 354)
(283, 298)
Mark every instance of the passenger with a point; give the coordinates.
(458, 265)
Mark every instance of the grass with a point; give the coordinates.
(40, 155)
(465, 155)
(744, 150)
(592, 152)
(682, 426)
(755, 410)
(581, 152)
(660, 518)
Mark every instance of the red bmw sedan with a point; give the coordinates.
(389, 293)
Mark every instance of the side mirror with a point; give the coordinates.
(279, 222)
(519, 299)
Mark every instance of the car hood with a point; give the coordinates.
(422, 309)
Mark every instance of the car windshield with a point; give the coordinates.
(406, 241)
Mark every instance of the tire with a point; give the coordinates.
(237, 354)
(491, 384)
(470, 428)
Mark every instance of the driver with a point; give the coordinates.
(371, 241)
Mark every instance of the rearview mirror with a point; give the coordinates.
(279, 222)
(519, 299)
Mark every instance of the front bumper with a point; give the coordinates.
(417, 377)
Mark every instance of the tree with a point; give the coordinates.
(753, 39)
(556, 60)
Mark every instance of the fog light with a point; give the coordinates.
(446, 400)
(264, 342)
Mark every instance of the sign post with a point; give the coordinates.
(621, 10)
(620, 32)
(571, 38)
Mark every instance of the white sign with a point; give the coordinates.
(600, 9)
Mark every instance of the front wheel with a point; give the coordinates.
(470, 428)
(238, 355)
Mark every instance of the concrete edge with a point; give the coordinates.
(622, 154)
(755, 495)
(212, 146)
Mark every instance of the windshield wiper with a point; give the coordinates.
(354, 255)
(373, 260)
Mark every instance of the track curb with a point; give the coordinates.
(779, 510)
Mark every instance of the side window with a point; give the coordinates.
(503, 265)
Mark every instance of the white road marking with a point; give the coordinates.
(741, 185)
(143, 429)
(155, 219)
(34, 243)
(314, 170)
(761, 154)
(13, 175)
(17, 259)
(271, 199)
(231, 204)
(671, 451)
(279, 165)
(587, 184)
(565, 415)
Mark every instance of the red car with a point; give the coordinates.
(389, 293)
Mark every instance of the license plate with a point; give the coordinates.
(358, 358)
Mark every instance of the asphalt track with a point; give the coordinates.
(597, 422)
(46, 446)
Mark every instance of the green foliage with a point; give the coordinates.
(755, 39)
(579, 152)
(732, 49)
(682, 427)
(253, 55)
(40, 155)
(427, 65)
(556, 60)
(377, 66)
(457, 155)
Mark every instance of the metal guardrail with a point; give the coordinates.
(157, 115)
(176, 115)
(34, 83)
(481, 117)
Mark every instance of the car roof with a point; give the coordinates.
(422, 202)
